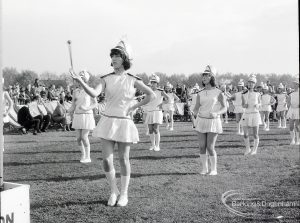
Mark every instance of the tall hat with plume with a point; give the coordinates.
(124, 47)
(154, 78)
(85, 75)
(280, 86)
(265, 87)
(197, 86)
(252, 78)
(169, 85)
(241, 83)
(210, 70)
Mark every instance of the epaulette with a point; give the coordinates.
(106, 75)
(290, 92)
(134, 76)
(159, 89)
(245, 91)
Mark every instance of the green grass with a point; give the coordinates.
(165, 186)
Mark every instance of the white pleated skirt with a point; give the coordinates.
(281, 108)
(154, 117)
(168, 107)
(265, 108)
(251, 119)
(293, 113)
(206, 125)
(238, 109)
(116, 129)
(83, 121)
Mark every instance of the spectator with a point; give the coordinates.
(26, 120)
(38, 111)
(59, 115)
(52, 94)
(23, 97)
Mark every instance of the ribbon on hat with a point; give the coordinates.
(210, 70)
(124, 47)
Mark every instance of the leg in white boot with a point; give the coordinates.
(123, 200)
(255, 146)
(297, 142)
(204, 162)
(284, 123)
(247, 144)
(292, 133)
(213, 163)
(157, 141)
(279, 123)
(87, 147)
(152, 139)
(111, 177)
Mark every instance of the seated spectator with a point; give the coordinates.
(22, 97)
(52, 93)
(38, 111)
(26, 120)
(59, 115)
(68, 97)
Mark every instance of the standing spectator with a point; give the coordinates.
(26, 120)
(38, 111)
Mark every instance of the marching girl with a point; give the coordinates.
(227, 96)
(115, 125)
(293, 114)
(169, 107)
(238, 108)
(154, 116)
(281, 106)
(266, 102)
(251, 119)
(83, 117)
(210, 105)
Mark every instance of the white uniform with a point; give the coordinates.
(115, 124)
(293, 112)
(170, 105)
(82, 119)
(154, 113)
(208, 103)
(237, 103)
(266, 103)
(193, 102)
(281, 104)
(251, 116)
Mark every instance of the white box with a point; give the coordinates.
(15, 203)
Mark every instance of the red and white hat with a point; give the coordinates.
(280, 86)
(252, 78)
(241, 83)
(124, 47)
(85, 75)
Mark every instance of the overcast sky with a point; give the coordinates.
(169, 36)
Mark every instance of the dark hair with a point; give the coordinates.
(126, 61)
(35, 97)
(27, 101)
(212, 81)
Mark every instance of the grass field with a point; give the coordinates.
(165, 186)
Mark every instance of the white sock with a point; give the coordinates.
(152, 139)
(239, 127)
(157, 139)
(204, 159)
(213, 163)
(268, 124)
(284, 123)
(111, 177)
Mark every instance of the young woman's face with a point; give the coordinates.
(153, 85)
(251, 84)
(206, 79)
(116, 61)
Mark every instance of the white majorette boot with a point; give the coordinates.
(204, 161)
(247, 144)
(297, 142)
(111, 177)
(157, 141)
(279, 123)
(292, 133)
(83, 155)
(268, 126)
(283, 123)
(87, 158)
(213, 163)
(255, 146)
(152, 139)
(123, 200)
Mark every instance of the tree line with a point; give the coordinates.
(12, 76)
